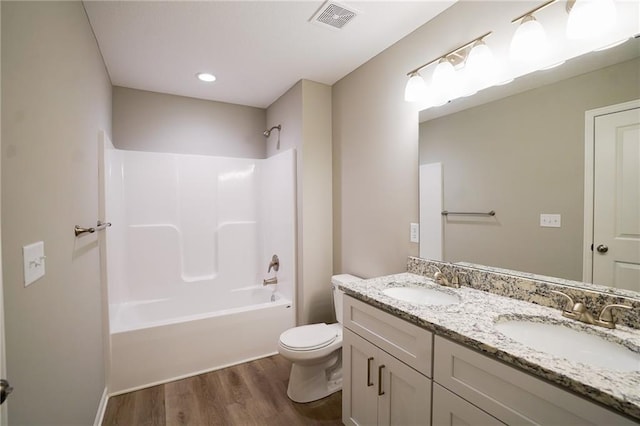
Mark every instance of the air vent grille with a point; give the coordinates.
(334, 15)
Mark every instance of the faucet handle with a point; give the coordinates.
(606, 318)
(570, 303)
(275, 263)
(439, 277)
(456, 278)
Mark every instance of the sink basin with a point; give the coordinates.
(421, 296)
(574, 345)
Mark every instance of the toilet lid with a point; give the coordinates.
(308, 337)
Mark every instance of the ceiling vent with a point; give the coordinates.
(333, 15)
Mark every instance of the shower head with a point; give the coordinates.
(267, 133)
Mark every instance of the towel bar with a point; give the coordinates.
(447, 213)
(78, 231)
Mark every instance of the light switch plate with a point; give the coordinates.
(550, 220)
(33, 257)
(415, 233)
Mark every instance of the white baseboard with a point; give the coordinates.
(101, 408)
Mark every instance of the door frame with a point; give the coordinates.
(589, 153)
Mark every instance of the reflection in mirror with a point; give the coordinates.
(523, 155)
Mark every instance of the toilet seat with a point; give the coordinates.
(308, 337)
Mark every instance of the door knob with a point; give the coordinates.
(602, 248)
(5, 390)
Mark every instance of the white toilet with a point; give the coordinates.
(316, 353)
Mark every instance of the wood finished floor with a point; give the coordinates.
(254, 393)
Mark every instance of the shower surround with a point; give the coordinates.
(186, 257)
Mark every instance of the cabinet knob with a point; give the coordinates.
(369, 382)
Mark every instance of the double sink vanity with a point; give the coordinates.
(419, 348)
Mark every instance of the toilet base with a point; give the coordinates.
(312, 382)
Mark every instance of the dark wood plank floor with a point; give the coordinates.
(254, 393)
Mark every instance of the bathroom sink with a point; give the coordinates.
(571, 344)
(421, 296)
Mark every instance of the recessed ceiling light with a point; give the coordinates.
(206, 77)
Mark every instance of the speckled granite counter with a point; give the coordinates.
(471, 321)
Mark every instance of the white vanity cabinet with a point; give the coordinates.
(380, 390)
(388, 379)
(510, 395)
(386, 368)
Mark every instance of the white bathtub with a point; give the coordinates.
(162, 340)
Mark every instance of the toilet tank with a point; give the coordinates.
(337, 293)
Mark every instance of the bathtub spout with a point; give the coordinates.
(270, 281)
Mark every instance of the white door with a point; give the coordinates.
(616, 203)
(5, 389)
(4, 386)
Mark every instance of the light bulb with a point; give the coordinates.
(206, 77)
(433, 99)
(610, 45)
(415, 89)
(529, 43)
(480, 67)
(552, 66)
(445, 79)
(590, 18)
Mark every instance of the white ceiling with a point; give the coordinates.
(256, 49)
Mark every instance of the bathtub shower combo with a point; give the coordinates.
(191, 241)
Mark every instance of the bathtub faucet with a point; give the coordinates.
(269, 281)
(275, 263)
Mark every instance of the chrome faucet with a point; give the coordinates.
(578, 311)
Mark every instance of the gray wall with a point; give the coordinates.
(522, 156)
(149, 121)
(56, 96)
(304, 112)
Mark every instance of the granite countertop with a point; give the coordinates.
(471, 323)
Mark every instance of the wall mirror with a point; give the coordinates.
(519, 150)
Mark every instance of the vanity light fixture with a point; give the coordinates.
(206, 77)
(590, 18)
(448, 80)
(416, 88)
(551, 66)
(529, 42)
(614, 44)
(445, 79)
(480, 66)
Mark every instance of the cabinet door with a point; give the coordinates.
(404, 395)
(511, 395)
(359, 380)
(451, 410)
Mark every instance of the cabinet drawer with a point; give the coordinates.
(407, 342)
(449, 410)
(512, 396)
